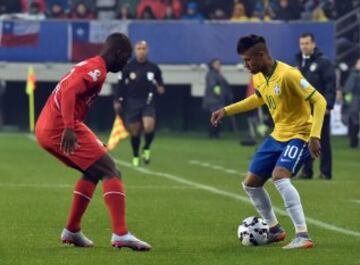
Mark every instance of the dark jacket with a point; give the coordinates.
(320, 72)
(352, 88)
(218, 93)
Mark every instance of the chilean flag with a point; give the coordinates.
(19, 33)
(87, 38)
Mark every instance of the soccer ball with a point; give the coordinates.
(253, 231)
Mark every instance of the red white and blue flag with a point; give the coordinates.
(19, 33)
(87, 38)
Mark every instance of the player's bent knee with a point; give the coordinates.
(280, 173)
(252, 180)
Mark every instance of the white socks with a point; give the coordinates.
(261, 200)
(292, 203)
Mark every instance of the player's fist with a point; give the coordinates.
(217, 116)
(314, 147)
(117, 106)
(68, 143)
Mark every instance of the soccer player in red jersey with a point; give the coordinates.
(60, 131)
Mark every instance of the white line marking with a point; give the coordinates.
(234, 196)
(216, 167)
(66, 186)
(355, 201)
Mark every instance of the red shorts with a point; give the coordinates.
(91, 148)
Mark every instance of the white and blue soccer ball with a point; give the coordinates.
(253, 231)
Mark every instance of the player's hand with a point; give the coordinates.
(160, 89)
(69, 142)
(314, 147)
(117, 106)
(217, 116)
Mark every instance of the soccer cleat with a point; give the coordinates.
(146, 156)
(76, 239)
(300, 242)
(136, 161)
(129, 241)
(276, 236)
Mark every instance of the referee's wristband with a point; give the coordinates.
(121, 99)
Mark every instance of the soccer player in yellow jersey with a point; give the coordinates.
(295, 137)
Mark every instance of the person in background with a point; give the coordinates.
(123, 12)
(288, 10)
(320, 72)
(82, 11)
(193, 13)
(218, 14)
(139, 81)
(218, 93)
(351, 92)
(264, 9)
(56, 11)
(239, 13)
(169, 13)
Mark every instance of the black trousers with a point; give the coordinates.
(326, 155)
(354, 131)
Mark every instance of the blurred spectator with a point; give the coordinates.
(318, 15)
(330, 9)
(352, 98)
(158, 8)
(147, 14)
(218, 93)
(169, 13)
(288, 10)
(264, 9)
(239, 13)
(218, 14)
(56, 11)
(10, 6)
(81, 10)
(124, 13)
(192, 12)
(39, 5)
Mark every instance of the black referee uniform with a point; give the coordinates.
(136, 89)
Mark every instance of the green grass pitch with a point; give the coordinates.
(187, 203)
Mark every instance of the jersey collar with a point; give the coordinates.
(267, 78)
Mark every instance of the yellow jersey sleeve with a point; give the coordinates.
(250, 103)
(295, 81)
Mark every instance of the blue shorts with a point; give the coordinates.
(272, 153)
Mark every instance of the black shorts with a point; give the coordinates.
(136, 109)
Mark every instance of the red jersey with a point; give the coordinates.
(73, 95)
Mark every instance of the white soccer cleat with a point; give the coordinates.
(75, 239)
(129, 241)
(300, 242)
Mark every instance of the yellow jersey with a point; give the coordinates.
(286, 93)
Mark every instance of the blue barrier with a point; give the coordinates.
(183, 42)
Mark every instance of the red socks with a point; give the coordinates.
(114, 197)
(83, 192)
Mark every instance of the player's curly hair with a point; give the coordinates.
(249, 41)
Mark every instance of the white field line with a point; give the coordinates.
(355, 201)
(235, 196)
(216, 167)
(67, 186)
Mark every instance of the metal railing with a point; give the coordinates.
(347, 35)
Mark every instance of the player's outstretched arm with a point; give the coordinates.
(319, 104)
(247, 104)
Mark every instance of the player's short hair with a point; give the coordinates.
(118, 41)
(308, 34)
(249, 41)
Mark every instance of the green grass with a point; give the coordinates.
(185, 224)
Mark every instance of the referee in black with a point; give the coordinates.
(320, 72)
(139, 81)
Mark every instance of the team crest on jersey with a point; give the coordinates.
(132, 75)
(277, 90)
(150, 76)
(313, 67)
(95, 74)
